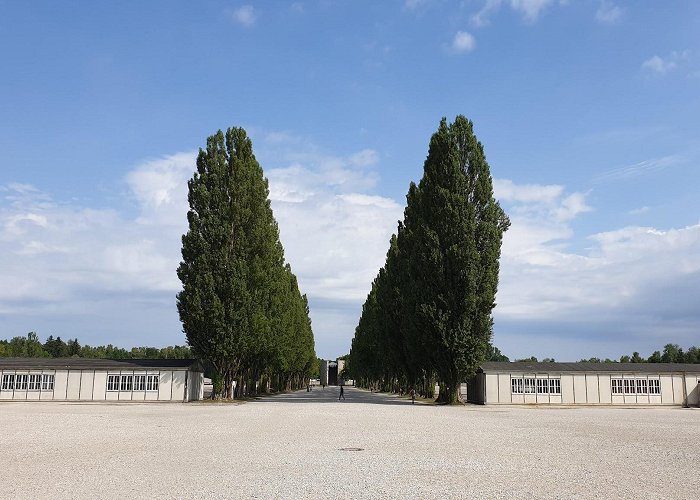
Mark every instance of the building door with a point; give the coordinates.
(332, 373)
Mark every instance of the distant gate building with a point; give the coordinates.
(329, 371)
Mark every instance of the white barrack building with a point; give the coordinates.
(586, 383)
(78, 379)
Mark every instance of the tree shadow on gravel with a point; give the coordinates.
(329, 395)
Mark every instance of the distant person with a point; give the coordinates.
(342, 394)
(323, 387)
(413, 396)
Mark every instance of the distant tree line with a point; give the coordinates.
(240, 305)
(31, 347)
(672, 353)
(427, 317)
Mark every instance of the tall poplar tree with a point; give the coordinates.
(454, 230)
(232, 268)
(428, 314)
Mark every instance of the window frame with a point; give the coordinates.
(516, 385)
(113, 381)
(654, 387)
(34, 382)
(8, 382)
(139, 383)
(642, 386)
(47, 381)
(126, 383)
(616, 386)
(530, 385)
(152, 382)
(555, 386)
(21, 381)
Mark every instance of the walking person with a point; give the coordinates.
(413, 396)
(342, 394)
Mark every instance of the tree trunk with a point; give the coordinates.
(449, 393)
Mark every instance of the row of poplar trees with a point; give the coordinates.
(427, 318)
(240, 304)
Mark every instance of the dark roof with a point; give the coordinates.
(89, 364)
(531, 367)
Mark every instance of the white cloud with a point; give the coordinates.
(608, 12)
(640, 168)
(281, 137)
(639, 211)
(630, 283)
(656, 64)
(463, 42)
(415, 4)
(244, 15)
(66, 264)
(543, 205)
(481, 18)
(335, 234)
(73, 270)
(529, 9)
(364, 158)
(505, 189)
(660, 65)
(109, 276)
(571, 206)
(159, 187)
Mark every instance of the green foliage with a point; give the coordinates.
(428, 313)
(672, 353)
(23, 347)
(31, 347)
(240, 305)
(496, 355)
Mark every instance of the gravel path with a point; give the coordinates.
(289, 446)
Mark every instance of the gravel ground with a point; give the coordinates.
(289, 446)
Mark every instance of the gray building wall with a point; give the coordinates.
(91, 385)
(586, 388)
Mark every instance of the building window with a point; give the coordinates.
(516, 385)
(21, 382)
(617, 386)
(47, 383)
(126, 383)
(535, 385)
(152, 383)
(529, 386)
(139, 382)
(641, 386)
(112, 382)
(8, 382)
(554, 386)
(34, 382)
(631, 386)
(654, 387)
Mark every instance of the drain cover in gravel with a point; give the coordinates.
(352, 449)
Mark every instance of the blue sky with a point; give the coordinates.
(588, 112)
